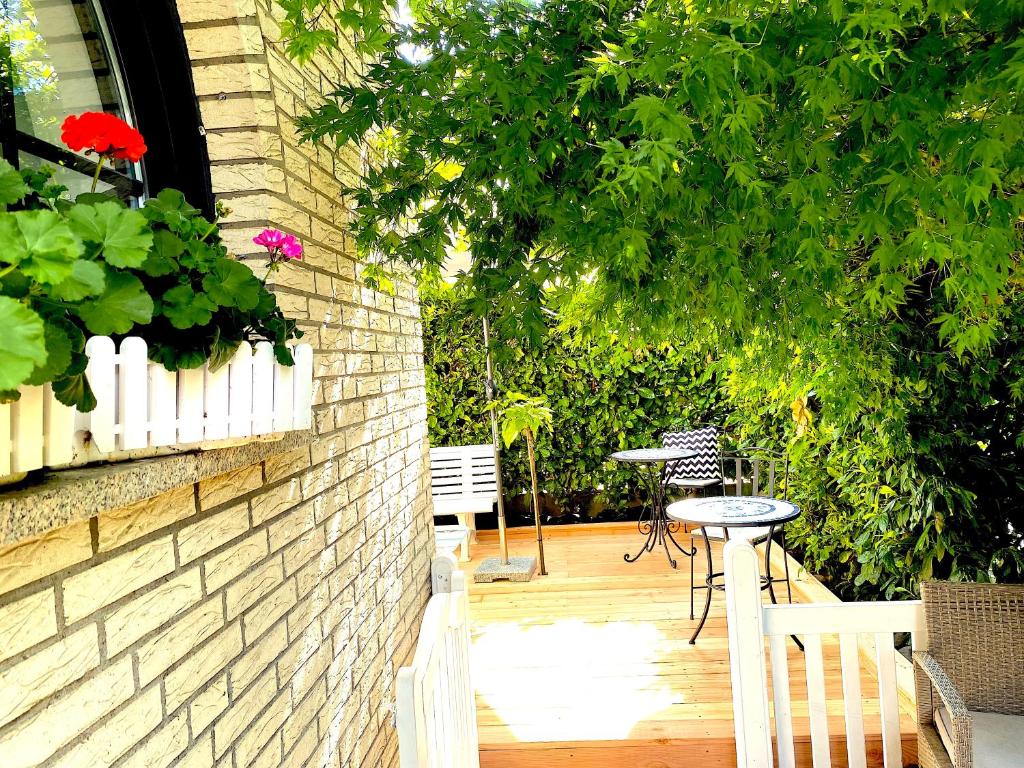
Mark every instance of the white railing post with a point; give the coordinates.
(442, 570)
(746, 656)
(435, 709)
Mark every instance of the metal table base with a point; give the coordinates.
(710, 583)
(654, 523)
(657, 526)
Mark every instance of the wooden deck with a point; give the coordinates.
(590, 665)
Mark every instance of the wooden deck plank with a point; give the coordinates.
(590, 665)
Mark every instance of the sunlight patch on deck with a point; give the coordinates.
(519, 669)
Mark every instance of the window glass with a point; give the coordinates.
(76, 182)
(61, 65)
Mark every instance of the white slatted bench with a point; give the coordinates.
(859, 626)
(463, 482)
(435, 708)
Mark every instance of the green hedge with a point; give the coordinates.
(604, 397)
(901, 487)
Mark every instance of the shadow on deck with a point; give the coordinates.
(590, 665)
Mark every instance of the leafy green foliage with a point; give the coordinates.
(747, 164)
(121, 234)
(94, 266)
(523, 416)
(911, 486)
(22, 345)
(603, 397)
(123, 304)
(40, 245)
(824, 196)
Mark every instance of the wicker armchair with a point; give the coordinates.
(971, 676)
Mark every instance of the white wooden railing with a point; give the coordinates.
(436, 713)
(143, 409)
(858, 625)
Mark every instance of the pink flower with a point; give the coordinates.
(271, 239)
(291, 248)
(279, 245)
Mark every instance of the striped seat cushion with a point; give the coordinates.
(703, 469)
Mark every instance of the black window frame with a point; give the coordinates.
(150, 51)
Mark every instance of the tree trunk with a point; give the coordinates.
(536, 503)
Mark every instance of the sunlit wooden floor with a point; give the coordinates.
(590, 665)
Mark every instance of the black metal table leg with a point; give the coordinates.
(658, 528)
(767, 578)
(708, 586)
(647, 528)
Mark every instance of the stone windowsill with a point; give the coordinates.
(59, 497)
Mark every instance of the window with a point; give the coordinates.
(126, 57)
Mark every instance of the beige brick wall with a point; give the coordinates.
(256, 618)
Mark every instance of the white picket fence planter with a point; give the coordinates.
(145, 410)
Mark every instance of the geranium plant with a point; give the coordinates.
(97, 267)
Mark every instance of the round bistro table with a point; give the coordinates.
(727, 512)
(653, 465)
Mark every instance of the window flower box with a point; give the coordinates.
(145, 410)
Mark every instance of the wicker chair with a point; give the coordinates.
(970, 679)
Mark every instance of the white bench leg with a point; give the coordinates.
(468, 519)
(464, 550)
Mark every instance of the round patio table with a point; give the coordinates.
(727, 512)
(653, 464)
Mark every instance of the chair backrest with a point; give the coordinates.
(463, 471)
(705, 465)
(976, 633)
(859, 626)
(435, 711)
(756, 472)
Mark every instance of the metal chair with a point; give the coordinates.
(754, 472)
(701, 472)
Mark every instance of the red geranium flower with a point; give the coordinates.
(102, 133)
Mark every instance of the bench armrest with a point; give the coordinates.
(931, 677)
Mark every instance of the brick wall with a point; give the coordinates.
(257, 617)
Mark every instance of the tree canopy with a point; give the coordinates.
(827, 194)
(745, 163)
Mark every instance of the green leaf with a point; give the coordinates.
(121, 233)
(40, 244)
(75, 392)
(12, 186)
(221, 352)
(175, 358)
(170, 208)
(232, 284)
(185, 308)
(201, 256)
(163, 258)
(22, 343)
(283, 354)
(92, 198)
(123, 304)
(87, 278)
(58, 354)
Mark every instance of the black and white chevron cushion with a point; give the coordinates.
(703, 469)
